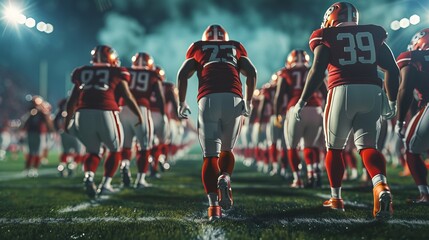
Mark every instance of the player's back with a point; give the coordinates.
(420, 60)
(217, 66)
(142, 84)
(353, 53)
(98, 86)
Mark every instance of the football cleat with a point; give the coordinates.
(224, 191)
(423, 200)
(90, 187)
(142, 185)
(382, 202)
(126, 176)
(334, 203)
(106, 190)
(214, 213)
(297, 184)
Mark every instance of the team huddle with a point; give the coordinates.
(354, 95)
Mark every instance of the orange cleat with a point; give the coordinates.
(383, 209)
(214, 213)
(334, 203)
(225, 191)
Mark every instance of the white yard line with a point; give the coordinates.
(206, 229)
(5, 176)
(84, 205)
(348, 203)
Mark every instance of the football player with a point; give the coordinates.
(355, 101)
(5, 138)
(414, 65)
(72, 148)
(218, 62)
(291, 84)
(37, 124)
(94, 105)
(144, 82)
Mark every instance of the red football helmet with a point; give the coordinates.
(143, 60)
(340, 12)
(420, 40)
(161, 72)
(103, 54)
(297, 58)
(215, 33)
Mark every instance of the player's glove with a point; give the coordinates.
(298, 108)
(247, 109)
(391, 113)
(399, 129)
(278, 121)
(183, 111)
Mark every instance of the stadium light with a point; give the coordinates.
(12, 14)
(404, 23)
(395, 25)
(41, 26)
(30, 22)
(415, 19)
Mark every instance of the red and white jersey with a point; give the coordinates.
(37, 122)
(142, 85)
(353, 53)
(217, 66)
(98, 86)
(154, 105)
(419, 60)
(268, 92)
(294, 81)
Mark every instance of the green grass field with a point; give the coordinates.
(50, 207)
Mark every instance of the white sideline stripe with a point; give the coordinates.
(349, 203)
(83, 206)
(17, 175)
(289, 221)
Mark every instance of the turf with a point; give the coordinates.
(50, 207)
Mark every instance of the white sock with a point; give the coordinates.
(213, 199)
(295, 176)
(106, 181)
(423, 189)
(336, 192)
(379, 178)
(142, 178)
(89, 175)
(125, 163)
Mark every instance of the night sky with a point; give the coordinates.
(269, 30)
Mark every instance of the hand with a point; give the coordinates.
(183, 111)
(399, 129)
(278, 121)
(298, 108)
(392, 111)
(247, 109)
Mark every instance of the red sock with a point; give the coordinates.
(112, 163)
(284, 158)
(63, 158)
(226, 162)
(373, 161)
(28, 161)
(143, 161)
(36, 161)
(126, 153)
(91, 162)
(293, 159)
(417, 168)
(209, 174)
(310, 155)
(334, 167)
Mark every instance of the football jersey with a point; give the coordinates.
(419, 60)
(294, 81)
(352, 51)
(268, 93)
(98, 86)
(142, 85)
(217, 66)
(37, 122)
(253, 118)
(59, 120)
(154, 105)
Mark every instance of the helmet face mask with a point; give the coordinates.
(215, 32)
(103, 54)
(297, 58)
(142, 60)
(340, 12)
(420, 40)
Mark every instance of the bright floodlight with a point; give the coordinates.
(415, 19)
(395, 25)
(21, 19)
(12, 13)
(404, 23)
(41, 26)
(49, 28)
(30, 22)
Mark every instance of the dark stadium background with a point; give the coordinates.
(269, 29)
